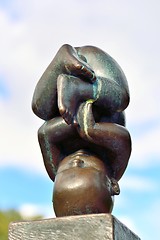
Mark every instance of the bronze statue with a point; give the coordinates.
(82, 96)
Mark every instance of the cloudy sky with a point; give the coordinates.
(31, 33)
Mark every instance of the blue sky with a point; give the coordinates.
(31, 33)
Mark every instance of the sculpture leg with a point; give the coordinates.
(110, 95)
(74, 63)
(72, 91)
(67, 61)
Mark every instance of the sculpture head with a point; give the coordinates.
(83, 186)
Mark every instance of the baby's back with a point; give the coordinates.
(103, 64)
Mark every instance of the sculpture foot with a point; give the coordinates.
(68, 97)
(85, 118)
(76, 64)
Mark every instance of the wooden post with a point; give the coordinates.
(81, 227)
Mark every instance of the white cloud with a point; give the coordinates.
(31, 40)
(152, 215)
(146, 148)
(29, 210)
(19, 143)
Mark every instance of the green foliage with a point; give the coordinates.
(10, 216)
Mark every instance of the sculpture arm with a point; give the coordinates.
(115, 139)
(50, 135)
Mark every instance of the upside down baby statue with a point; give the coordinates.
(82, 96)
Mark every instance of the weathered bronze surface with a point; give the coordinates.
(82, 96)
